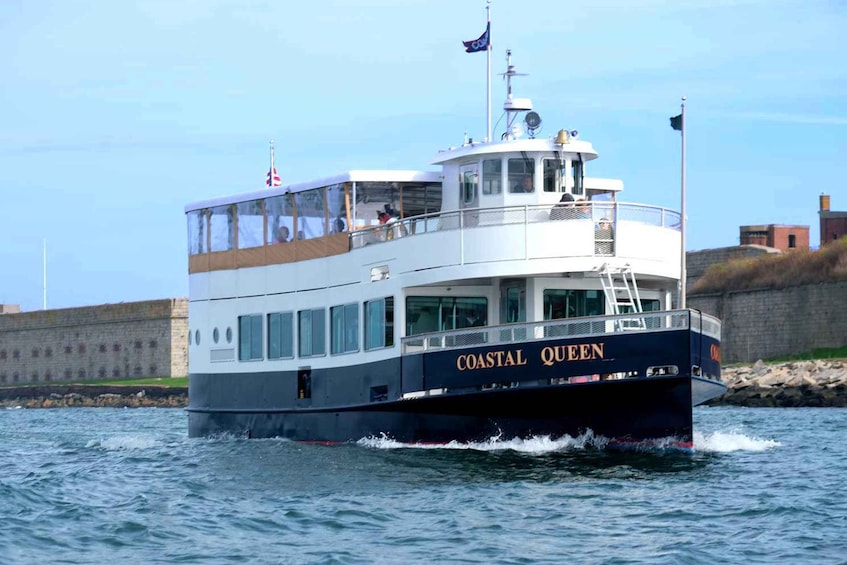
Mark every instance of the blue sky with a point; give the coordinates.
(117, 114)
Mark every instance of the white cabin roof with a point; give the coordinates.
(537, 145)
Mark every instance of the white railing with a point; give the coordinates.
(592, 326)
(605, 215)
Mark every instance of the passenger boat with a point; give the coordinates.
(506, 294)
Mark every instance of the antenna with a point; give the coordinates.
(513, 106)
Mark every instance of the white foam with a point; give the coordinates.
(726, 442)
(533, 445)
(127, 443)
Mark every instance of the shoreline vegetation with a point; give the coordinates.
(820, 382)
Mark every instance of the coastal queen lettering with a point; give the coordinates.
(553, 354)
(490, 360)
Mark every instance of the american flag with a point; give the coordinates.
(273, 178)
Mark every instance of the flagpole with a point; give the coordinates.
(682, 279)
(488, 82)
(44, 271)
(271, 170)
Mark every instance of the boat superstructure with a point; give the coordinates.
(506, 292)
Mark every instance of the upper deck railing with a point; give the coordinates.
(592, 326)
(605, 215)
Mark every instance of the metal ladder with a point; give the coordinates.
(614, 279)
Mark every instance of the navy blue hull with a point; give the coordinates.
(625, 410)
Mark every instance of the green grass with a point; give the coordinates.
(158, 381)
(815, 354)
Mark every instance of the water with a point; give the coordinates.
(126, 485)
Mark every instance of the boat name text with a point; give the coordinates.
(490, 360)
(550, 355)
(553, 354)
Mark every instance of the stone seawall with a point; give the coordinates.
(791, 384)
(114, 396)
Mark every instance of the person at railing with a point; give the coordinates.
(282, 236)
(564, 209)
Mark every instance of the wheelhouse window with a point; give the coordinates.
(251, 223)
(281, 335)
(344, 328)
(222, 228)
(249, 337)
(426, 314)
(521, 175)
(578, 176)
(312, 331)
(468, 186)
(335, 201)
(554, 172)
(379, 323)
(492, 176)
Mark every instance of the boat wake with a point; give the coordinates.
(727, 442)
(125, 443)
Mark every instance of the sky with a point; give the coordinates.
(115, 115)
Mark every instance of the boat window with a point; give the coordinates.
(344, 328)
(469, 185)
(311, 220)
(492, 176)
(426, 314)
(251, 224)
(578, 176)
(311, 334)
(222, 228)
(555, 171)
(197, 231)
(519, 171)
(566, 303)
(281, 335)
(280, 214)
(336, 204)
(250, 337)
(379, 323)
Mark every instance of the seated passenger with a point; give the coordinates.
(526, 184)
(338, 226)
(282, 235)
(583, 210)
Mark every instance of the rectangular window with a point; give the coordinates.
(311, 216)
(426, 314)
(468, 186)
(792, 241)
(554, 170)
(492, 176)
(578, 174)
(197, 231)
(251, 223)
(379, 323)
(250, 337)
(344, 328)
(281, 335)
(311, 332)
(521, 175)
(563, 303)
(222, 228)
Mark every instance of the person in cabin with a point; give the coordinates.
(526, 184)
(282, 236)
(338, 226)
(472, 320)
(564, 209)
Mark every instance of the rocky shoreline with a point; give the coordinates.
(113, 396)
(791, 384)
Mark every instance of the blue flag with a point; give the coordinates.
(481, 44)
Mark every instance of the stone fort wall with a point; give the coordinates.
(768, 323)
(110, 341)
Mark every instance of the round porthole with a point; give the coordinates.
(189, 338)
(197, 337)
(215, 335)
(229, 335)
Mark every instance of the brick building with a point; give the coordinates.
(833, 224)
(784, 238)
(110, 341)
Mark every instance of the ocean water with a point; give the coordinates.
(98, 485)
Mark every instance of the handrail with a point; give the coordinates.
(590, 326)
(470, 218)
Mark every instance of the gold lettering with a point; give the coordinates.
(460, 363)
(510, 361)
(597, 349)
(584, 352)
(560, 353)
(489, 360)
(573, 352)
(521, 360)
(548, 356)
(499, 358)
